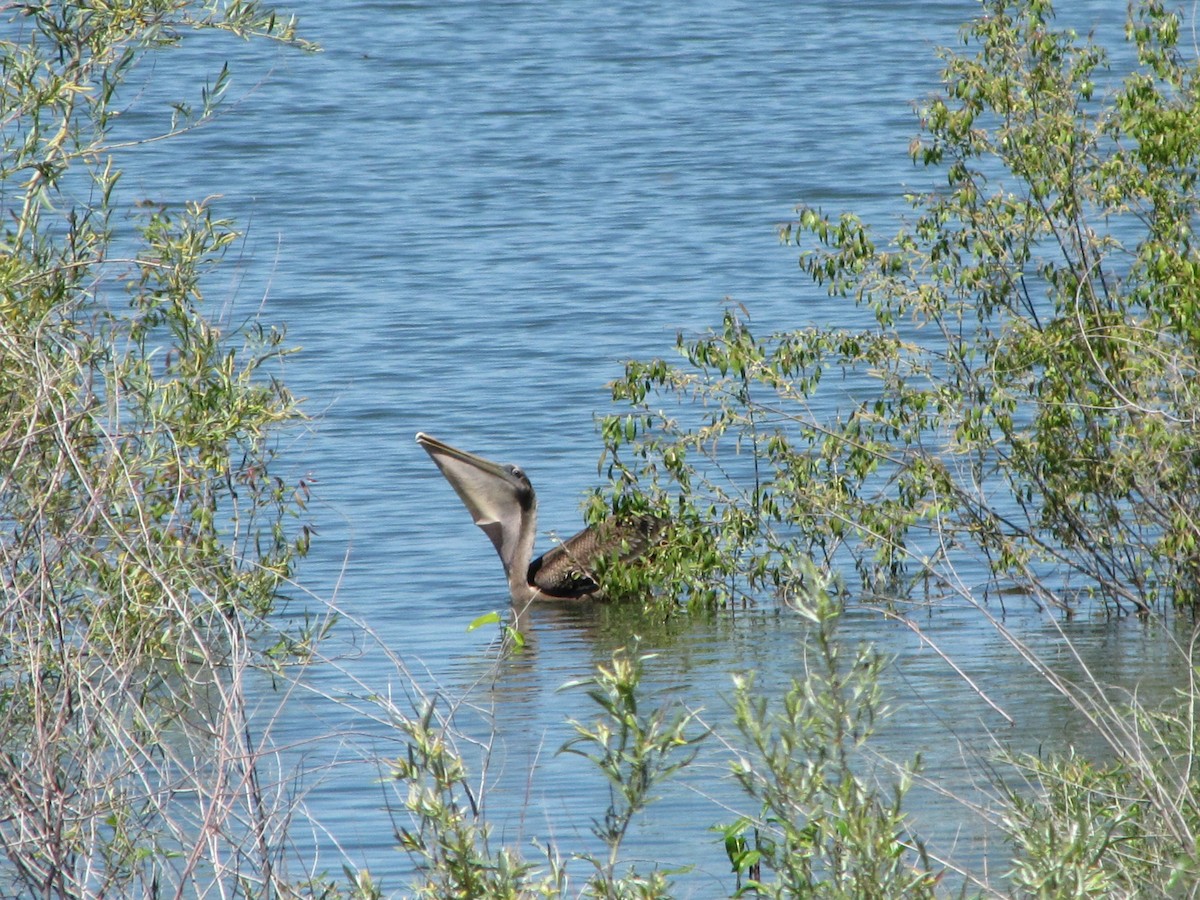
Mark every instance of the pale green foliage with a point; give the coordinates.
(450, 841)
(1027, 399)
(824, 829)
(143, 532)
(1063, 835)
(821, 825)
(1127, 828)
(637, 751)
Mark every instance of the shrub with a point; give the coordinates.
(142, 530)
(1025, 403)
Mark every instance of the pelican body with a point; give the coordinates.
(503, 503)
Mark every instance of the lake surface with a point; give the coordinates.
(468, 214)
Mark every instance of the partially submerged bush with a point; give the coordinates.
(1126, 826)
(142, 530)
(1025, 402)
(826, 827)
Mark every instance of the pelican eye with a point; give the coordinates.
(515, 472)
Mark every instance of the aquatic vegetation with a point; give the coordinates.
(143, 532)
(1022, 398)
(814, 824)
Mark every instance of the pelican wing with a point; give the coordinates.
(568, 571)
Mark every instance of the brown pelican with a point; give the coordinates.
(502, 502)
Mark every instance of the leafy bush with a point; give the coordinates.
(1025, 404)
(142, 531)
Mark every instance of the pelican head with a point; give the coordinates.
(501, 501)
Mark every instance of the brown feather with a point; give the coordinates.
(568, 571)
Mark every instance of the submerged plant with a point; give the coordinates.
(450, 840)
(637, 752)
(1126, 825)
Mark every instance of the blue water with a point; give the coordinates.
(468, 214)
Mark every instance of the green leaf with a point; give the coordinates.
(491, 618)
